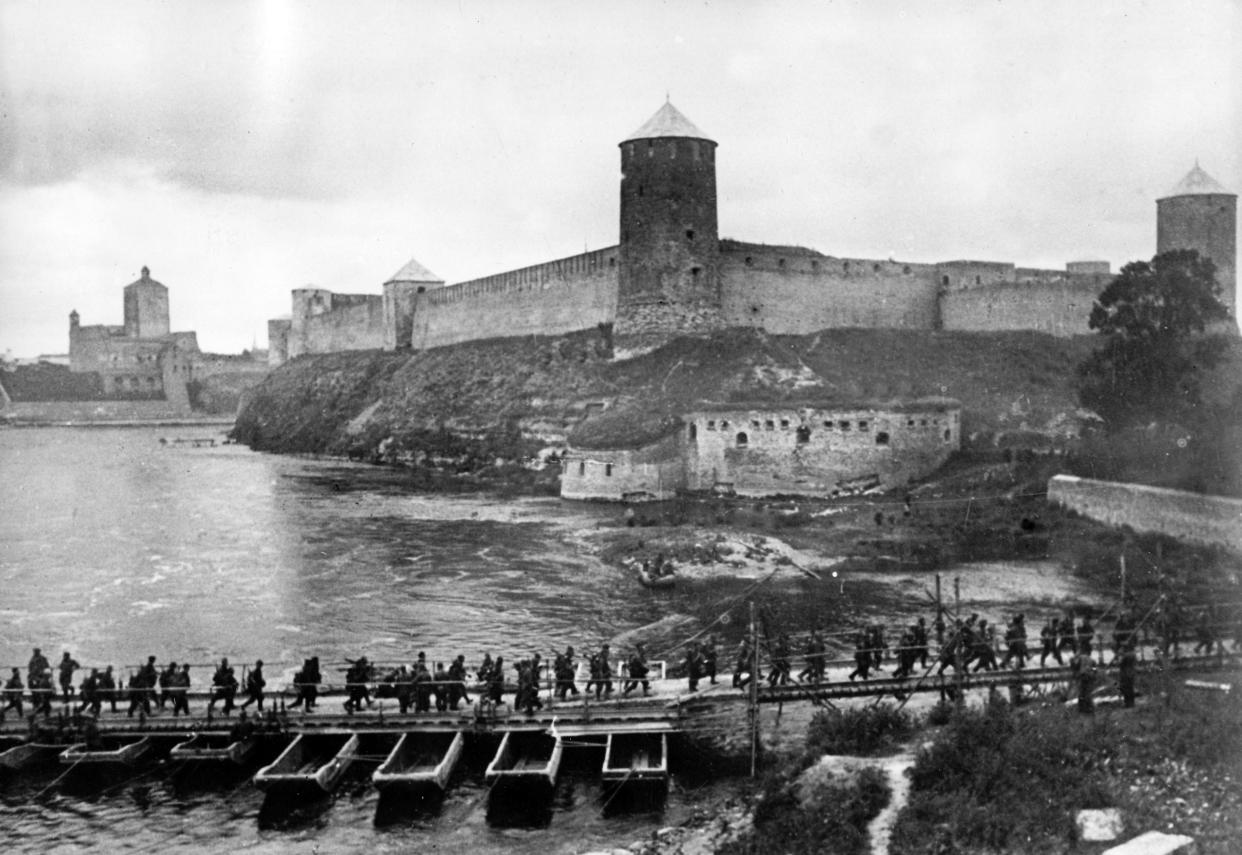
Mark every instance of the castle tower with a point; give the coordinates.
(669, 277)
(1201, 214)
(146, 308)
(400, 299)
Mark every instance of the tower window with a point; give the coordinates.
(608, 469)
(724, 425)
(694, 272)
(844, 425)
(749, 261)
(906, 269)
(978, 280)
(863, 425)
(845, 267)
(780, 262)
(875, 268)
(581, 467)
(827, 424)
(815, 265)
(694, 431)
(742, 439)
(944, 280)
(711, 424)
(769, 425)
(881, 438)
(804, 435)
(754, 423)
(612, 262)
(642, 191)
(784, 424)
(689, 234)
(946, 435)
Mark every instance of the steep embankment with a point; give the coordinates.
(504, 398)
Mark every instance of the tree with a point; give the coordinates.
(1157, 318)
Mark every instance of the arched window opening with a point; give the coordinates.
(944, 280)
(581, 467)
(804, 435)
(881, 438)
(844, 425)
(947, 434)
(694, 431)
(863, 424)
(784, 424)
(769, 425)
(608, 469)
(742, 439)
(724, 425)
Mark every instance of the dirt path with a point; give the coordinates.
(881, 828)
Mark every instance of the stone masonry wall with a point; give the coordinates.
(355, 322)
(1045, 301)
(785, 451)
(794, 292)
(655, 471)
(1211, 520)
(563, 296)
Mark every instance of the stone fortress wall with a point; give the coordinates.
(671, 274)
(562, 296)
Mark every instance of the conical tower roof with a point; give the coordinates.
(1198, 183)
(413, 271)
(667, 122)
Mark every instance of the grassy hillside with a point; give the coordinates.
(546, 387)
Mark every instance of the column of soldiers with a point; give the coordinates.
(966, 643)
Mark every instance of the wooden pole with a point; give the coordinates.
(939, 615)
(754, 691)
(958, 656)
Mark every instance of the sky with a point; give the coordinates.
(243, 149)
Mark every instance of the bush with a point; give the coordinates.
(1004, 783)
(862, 731)
(833, 820)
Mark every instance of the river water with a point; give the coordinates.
(114, 546)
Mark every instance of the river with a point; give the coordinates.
(115, 546)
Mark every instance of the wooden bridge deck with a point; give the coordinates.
(669, 708)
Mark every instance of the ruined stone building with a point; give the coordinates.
(763, 449)
(671, 273)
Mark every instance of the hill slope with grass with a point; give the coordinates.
(506, 397)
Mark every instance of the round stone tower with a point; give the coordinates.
(1200, 214)
(669, 276)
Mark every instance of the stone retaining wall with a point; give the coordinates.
(1209, 520)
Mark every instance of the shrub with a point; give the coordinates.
(832, 821)
(865, 730)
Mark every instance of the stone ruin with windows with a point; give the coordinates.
(768, 449)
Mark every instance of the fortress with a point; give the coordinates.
(672, 274)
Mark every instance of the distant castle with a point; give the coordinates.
(671, 274)
(143, 359)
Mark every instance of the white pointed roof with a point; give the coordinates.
(667, 122)
(1198, 183)
(413, 271)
